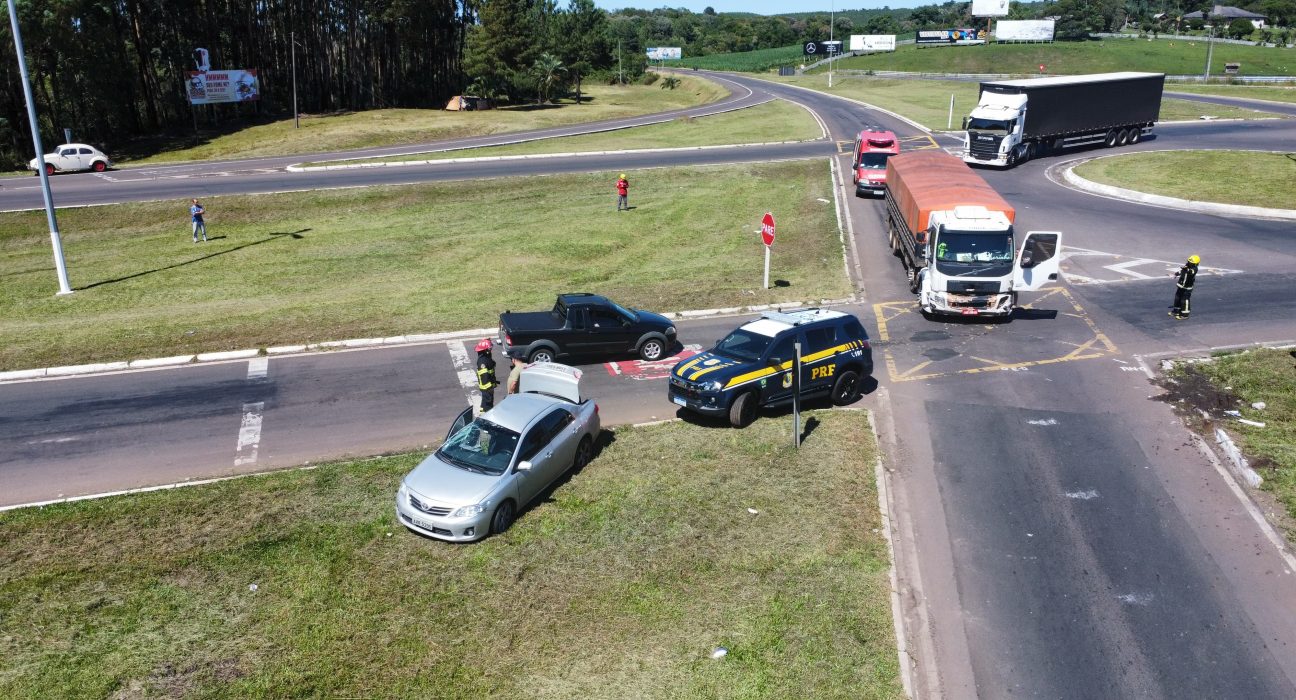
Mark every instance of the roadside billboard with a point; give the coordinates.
(949, 37)
(214, 87)
(872, 42)
(823, 49)
(1024, 30)
(989, 8)
(664, 53)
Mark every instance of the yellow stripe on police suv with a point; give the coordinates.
(685, 367)
(805, 360)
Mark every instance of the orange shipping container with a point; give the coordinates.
(922, 182)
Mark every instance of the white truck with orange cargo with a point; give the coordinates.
(954, 235)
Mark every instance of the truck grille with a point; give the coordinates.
(984, 145)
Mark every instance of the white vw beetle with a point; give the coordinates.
(70, 157)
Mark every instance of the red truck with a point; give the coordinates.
(872, 149)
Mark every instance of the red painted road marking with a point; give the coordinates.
(656, 369)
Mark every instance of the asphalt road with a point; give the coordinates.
(1058, 534)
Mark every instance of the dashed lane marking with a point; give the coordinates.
(464, 368)
(249, 437)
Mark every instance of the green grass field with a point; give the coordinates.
(746, 61)
(618, 585)
(1250, 92)
(774, 121)
(1270, 177)
(1242, 379)
(390, 127)
(383, 261)
(1076, 57)
(927, 101)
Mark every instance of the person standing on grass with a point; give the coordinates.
(623, 193)
(486, 380)
(196, 216)
(1184, 281)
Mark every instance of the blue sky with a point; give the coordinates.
(763, 7)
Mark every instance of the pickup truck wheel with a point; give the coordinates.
(846, 388)
(652, 349)
(743, 410)
(541, 355)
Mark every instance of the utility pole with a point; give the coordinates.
(292, 39)
(832, 19)
(620, 75)
(1210, 48)
(59, 265)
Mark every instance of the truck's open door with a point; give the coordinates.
(1037, 262)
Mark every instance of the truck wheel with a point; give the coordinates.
(891, 240)
(1136, 135)
(541, 355)
(1123, 137)
(1012, 157)
(743, 410)
(1032, 151)
(913, 280)
(846, 388)
(1111, 138)
(652, 349)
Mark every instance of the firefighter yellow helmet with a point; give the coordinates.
(1194, 259)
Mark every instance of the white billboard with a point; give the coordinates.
(989, 8)
(1024, 30)
(664, 53)
(872, 42)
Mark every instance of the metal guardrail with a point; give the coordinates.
(979, 77)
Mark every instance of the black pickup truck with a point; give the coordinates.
(585, 324)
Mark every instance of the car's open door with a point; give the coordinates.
(463, 419)
(1037, 262)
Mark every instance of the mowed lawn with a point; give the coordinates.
(1270, 177)
(928, 101)
(390, 127)
(771, 122)
(383, 261)
(620, 584)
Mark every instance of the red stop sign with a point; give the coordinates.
(767, 229)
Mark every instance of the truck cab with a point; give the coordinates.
(994, 130)
(973, 267)
(868, 167)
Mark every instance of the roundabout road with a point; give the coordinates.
(1057, 532)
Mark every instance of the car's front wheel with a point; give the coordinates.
(743, 410)
(652, 349)
(583, 452)
(503, 517)
(846, 389)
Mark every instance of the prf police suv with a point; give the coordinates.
(752, 366)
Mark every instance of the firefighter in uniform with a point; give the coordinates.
(486, 381)
(1183, 288)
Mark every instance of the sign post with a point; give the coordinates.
(767, 237)
(796, 396)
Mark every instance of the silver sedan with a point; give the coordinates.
(490, 468)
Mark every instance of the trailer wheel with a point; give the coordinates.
(1032, 151)
(1136, 135)
(1111, 138)
(1123, 137)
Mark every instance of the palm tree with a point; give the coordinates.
(547, 69)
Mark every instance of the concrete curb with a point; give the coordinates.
(534, 156)
(1080, 183)
(353, 343)
(1240, 464)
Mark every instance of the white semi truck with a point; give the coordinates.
(1016, 120)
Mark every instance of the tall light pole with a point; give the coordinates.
(832, 19)
(1210, 48)
(59, 265)
(292, 39)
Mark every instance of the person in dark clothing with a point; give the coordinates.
(1184, 281)
(486, 381)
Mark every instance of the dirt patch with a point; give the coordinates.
(171, 681)
(1191, 393)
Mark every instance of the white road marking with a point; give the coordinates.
(1123, 268)
(249, 437)
(464, 367)
(52, 440)
(1143, 599)
(257, 368)
(1043, 421)
(1082, 495)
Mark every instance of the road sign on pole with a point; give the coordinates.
(796, 395)
(767, 237)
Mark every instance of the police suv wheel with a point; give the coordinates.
(652, 349)
(846, 389)
(743, 410)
